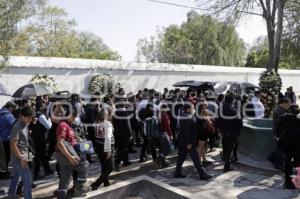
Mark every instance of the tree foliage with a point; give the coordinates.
(259, 54)
(12, 12)
(199, 40)
(50, 33)
(273, 11)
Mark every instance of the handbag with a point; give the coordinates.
(85, 146)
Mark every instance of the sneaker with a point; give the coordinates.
(211, 150)
(81, 192)
(205, 177)
(176, 175)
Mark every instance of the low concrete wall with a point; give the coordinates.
(75, 74)
(256, 140)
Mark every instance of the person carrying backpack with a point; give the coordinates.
(7, 120)
(151, 133)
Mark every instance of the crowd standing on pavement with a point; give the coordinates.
(70, 130)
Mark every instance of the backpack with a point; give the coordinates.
(151, 128)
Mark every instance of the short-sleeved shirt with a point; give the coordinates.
(64, 131)
(20, 132)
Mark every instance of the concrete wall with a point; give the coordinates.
(75, 74)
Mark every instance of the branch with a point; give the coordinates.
(263, 7)
(274, 9)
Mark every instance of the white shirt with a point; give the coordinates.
(105, 130)
(259, 108)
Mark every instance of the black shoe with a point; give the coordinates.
(38, 177)
(142, 160)
(176, 175)
(234, 159)
(228, 169)
(106, 184)
(5, 176)
(94, 187)
(132, 151)
(289, 186)
(207, 162)
(49, 173)
(164, 164)
(92, 161)
(2, 192)
(205, 177)
(125, 164)
(33, 186)
(117, 169)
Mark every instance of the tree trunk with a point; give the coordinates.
(277, 45)
(271, 39)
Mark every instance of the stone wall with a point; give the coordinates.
(75, 74)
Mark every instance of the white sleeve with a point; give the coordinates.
(107, 138)
(45, 122)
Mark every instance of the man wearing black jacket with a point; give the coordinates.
(229, 124)
(122, 134)
(288, 134)
(187, 142)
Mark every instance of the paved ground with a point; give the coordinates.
(246, 182)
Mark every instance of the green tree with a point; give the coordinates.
(52, 34)
(11, 13)
(92, 47)
(273, 11)
(199, 40)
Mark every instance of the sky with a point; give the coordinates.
(121, 23)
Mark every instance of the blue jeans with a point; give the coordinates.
(19, 171)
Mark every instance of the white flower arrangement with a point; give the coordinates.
(271, 84)
(45, 79)
(103, 84)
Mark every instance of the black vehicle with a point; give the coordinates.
(240, 88)
(205, 88)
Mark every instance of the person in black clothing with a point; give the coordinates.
(288, 134)
(122, 134)
(39, 130)
(134, 122)
(276, 157)
(103, 133)
(291, 95)
(91, 110)
(187, 142)
(229, 124)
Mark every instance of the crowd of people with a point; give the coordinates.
(70, 130)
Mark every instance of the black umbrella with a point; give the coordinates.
(3, 91)
(32, 90)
